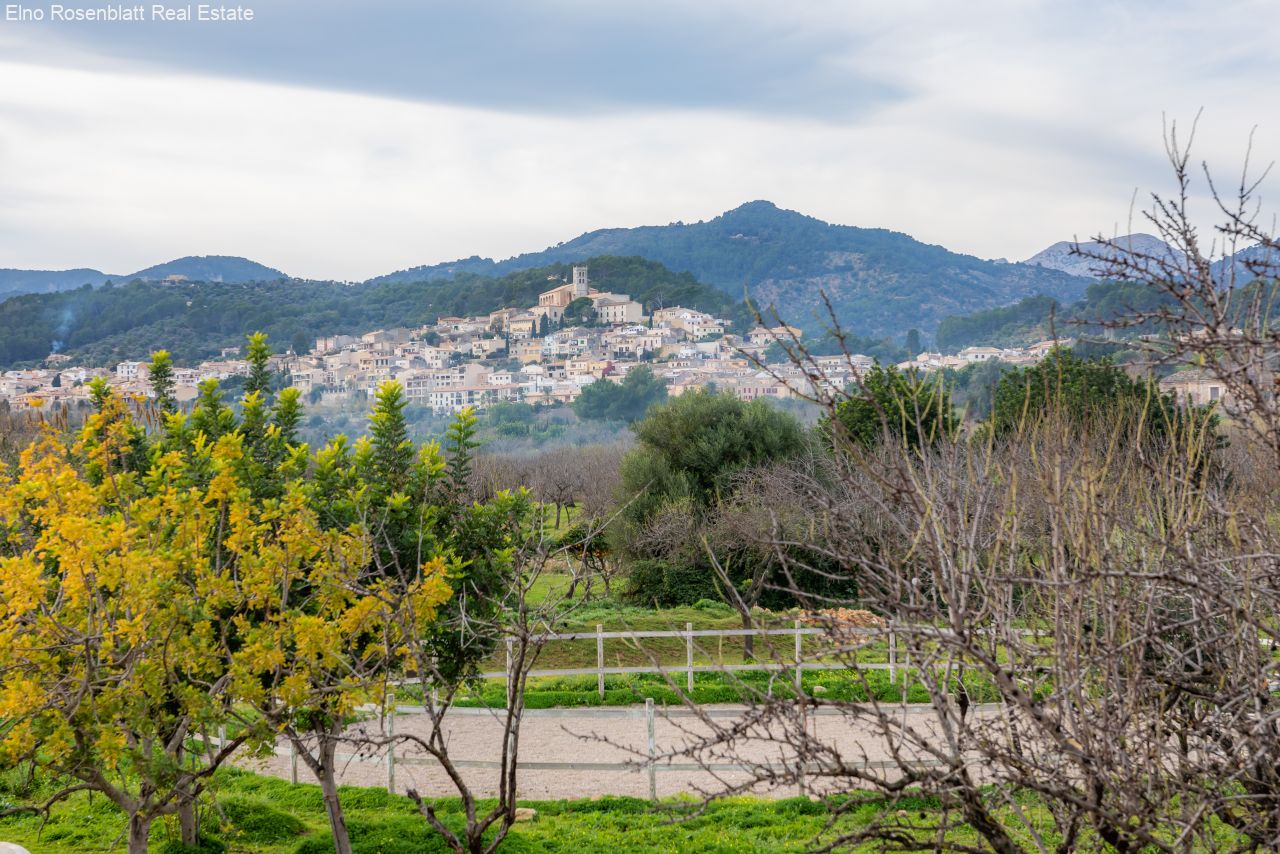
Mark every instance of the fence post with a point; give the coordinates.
(600, 660)
(799, 659)
(688, 654)
(293, 762)
(222, 738)
(893, 657)
(653, 749)
(391, 754)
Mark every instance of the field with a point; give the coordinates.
(268, 816)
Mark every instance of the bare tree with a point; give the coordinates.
(1088, 610)
(1217, 314)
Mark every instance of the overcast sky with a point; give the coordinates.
(351, 139)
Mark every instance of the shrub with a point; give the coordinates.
(669, 583)
(255, 820)
(206, 845)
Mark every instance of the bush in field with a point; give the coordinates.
(625, 401)
(1086, 392)
(666, 583)
(911, 409)
(679, 524)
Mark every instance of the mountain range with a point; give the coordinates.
(879, 282)
(1248, 263)
(1063, 255)
(193, 268)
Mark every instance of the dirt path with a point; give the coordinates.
(574, 735)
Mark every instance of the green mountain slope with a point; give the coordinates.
(46, 281)
(195, 320)
(211, 268)
(880, 282)
(194, 268)
(1038, 318)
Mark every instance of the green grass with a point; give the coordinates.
(671, 652)
(570, 691)
(265, 815)
(270, 816)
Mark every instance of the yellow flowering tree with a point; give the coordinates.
(110, 665)
(311, 634)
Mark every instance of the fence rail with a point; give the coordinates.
(652, 764)
(797, 664)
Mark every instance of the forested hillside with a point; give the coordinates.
(880, 282)
(195, 320)
(46, 281)
(1039, 317)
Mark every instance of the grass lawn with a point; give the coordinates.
(569, 691)
(267, 815)
(611, 616)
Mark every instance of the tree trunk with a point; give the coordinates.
(748, 641)
(187, 822)
(139, 830)
(329, 787)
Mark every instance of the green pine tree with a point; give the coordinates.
(389, 432)
(258, 353)
(461, 442)
(162, 383)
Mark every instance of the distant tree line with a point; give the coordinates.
(1038, 317)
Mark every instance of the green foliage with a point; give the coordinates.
(913, 343)
(1018, 323)
(664, 583)
(1089, 393)
(1038, 318)
(692, 446)
(257, 820)
(389, 824)
(206, 845)
(211, 416)
(914, 410)
(287, 414)
(392, 450)
(162, 382)
(973, 387)
(579, 312)
(257, 354)
(461, 446)
(628, 401)
(691, 449)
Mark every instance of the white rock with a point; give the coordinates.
(12, 848)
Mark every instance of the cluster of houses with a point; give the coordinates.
(531, 355)
(546, 354)
(1017, 356)
(60, 382)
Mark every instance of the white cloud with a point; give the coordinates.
(1018, 124)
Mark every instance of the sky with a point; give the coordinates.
(349, 139)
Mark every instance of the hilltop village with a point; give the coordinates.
(544, 354)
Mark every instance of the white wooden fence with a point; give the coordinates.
(651, 765)
(689, 634)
